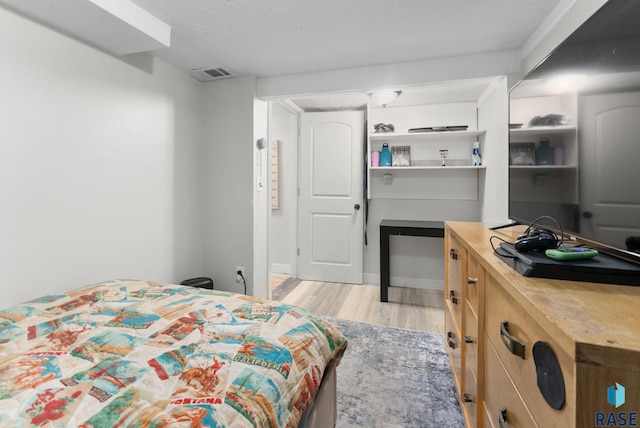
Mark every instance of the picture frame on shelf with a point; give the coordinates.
(522, 154)
(401, 156)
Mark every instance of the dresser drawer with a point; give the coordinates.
(503, 405)
(453, 344)
(513, 333)
(454, 280)
(470, 398)
(470, 338)
(472, 281)
(470, 395)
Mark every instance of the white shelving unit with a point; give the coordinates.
(426, 178)
(559, 136)
(374, 169)
(549, 186)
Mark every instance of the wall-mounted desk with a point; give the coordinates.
(429, 229)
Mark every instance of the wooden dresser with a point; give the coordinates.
(493, 318)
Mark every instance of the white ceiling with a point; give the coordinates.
(283, 37)
(279, 37)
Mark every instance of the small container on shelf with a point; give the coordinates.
(375, 158)
(558, 156)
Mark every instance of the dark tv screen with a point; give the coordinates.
(574, 138)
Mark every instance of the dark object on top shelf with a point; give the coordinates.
(440, 128)
(549, 120)
(384, 127)
(200, 282)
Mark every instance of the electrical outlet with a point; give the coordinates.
(238, 276)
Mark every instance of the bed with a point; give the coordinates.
(137, 353)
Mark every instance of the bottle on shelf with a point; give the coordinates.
(544, 153)
(385, 155)
(476, 157)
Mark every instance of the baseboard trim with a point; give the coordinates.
(280, 268)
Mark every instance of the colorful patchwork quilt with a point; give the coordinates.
(135, 353)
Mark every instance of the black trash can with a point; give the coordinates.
(201, 282)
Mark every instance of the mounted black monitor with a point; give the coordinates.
(575, 135)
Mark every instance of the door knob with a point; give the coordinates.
(356, 207)
(587, 214)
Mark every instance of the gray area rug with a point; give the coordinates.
(392, 377)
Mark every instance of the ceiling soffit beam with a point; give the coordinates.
(116, 26)
(434, 70)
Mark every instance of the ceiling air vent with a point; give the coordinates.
(211, 73)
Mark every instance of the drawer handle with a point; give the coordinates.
(513, 345)
(453, 298)
(467, 398)
(450, 340)
(453, 254)
(502, 417)
(472, 280)
(468, 339)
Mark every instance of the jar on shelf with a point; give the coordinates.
(375, 158)
(558, 156)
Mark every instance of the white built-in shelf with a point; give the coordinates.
(409, 168)
(547, 130)
(534, 167)
(425, 136)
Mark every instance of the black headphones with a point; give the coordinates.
(537, 238)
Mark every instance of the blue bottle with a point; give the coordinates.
(544, 153)
(385, 155)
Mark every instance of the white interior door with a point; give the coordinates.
(609, 136)
(330, 217)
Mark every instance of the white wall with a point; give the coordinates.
(100, 165)
(283, 126)
(493, 115)
(229, 147)
(261, 200)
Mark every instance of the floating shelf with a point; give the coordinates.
(408, 168)
(422, 136)
(538, 130)
(534, 167)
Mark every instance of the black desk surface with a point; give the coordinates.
(413, 224)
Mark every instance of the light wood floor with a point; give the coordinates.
(408, 308)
